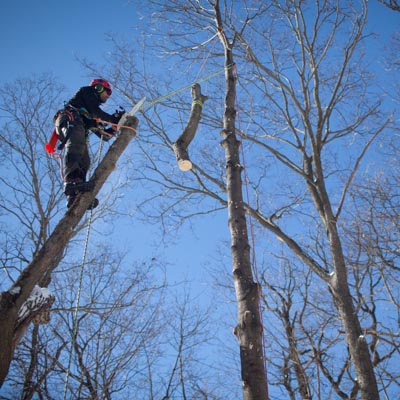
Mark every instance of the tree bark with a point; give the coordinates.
(338, 282)
(249, 330)
(181, 145)
(12, 300)
(358, 346)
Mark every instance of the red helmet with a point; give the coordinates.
(101, 85)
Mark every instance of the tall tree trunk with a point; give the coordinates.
(355, 338)
(12, 300)
(338, 282)
(249, 328)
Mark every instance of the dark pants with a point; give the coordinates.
(76, 156)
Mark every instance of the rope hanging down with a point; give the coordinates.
(78, 295)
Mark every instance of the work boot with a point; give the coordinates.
(73, 188)
(92, 205)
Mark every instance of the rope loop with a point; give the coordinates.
(197, 103)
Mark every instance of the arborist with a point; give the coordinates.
(82, 114)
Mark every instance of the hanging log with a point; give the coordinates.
(181, 145)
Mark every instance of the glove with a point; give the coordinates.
(119, 113)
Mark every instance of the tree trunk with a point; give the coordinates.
(339, 285)
(12, 300)
(358, 346)
(249, 329)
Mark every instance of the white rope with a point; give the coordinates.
(78, 296)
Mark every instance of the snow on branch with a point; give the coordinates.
(36, 308)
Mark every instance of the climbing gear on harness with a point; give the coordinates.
(62, 130)
(50, 146)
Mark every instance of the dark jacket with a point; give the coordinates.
(88, 99)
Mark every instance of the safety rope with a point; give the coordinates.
(78, 296)
(252, 235)
(186, 87)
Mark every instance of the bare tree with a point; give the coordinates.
(373, 233)
(48, 248)
(392, 4)
(117, 316)
(249, 327)
(310, 135)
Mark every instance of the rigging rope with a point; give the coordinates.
(186, 87)
(78, 296)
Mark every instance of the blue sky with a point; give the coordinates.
(47, 35)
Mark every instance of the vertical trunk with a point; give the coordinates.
(249, 328)
(355, 339)
(301, 376)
